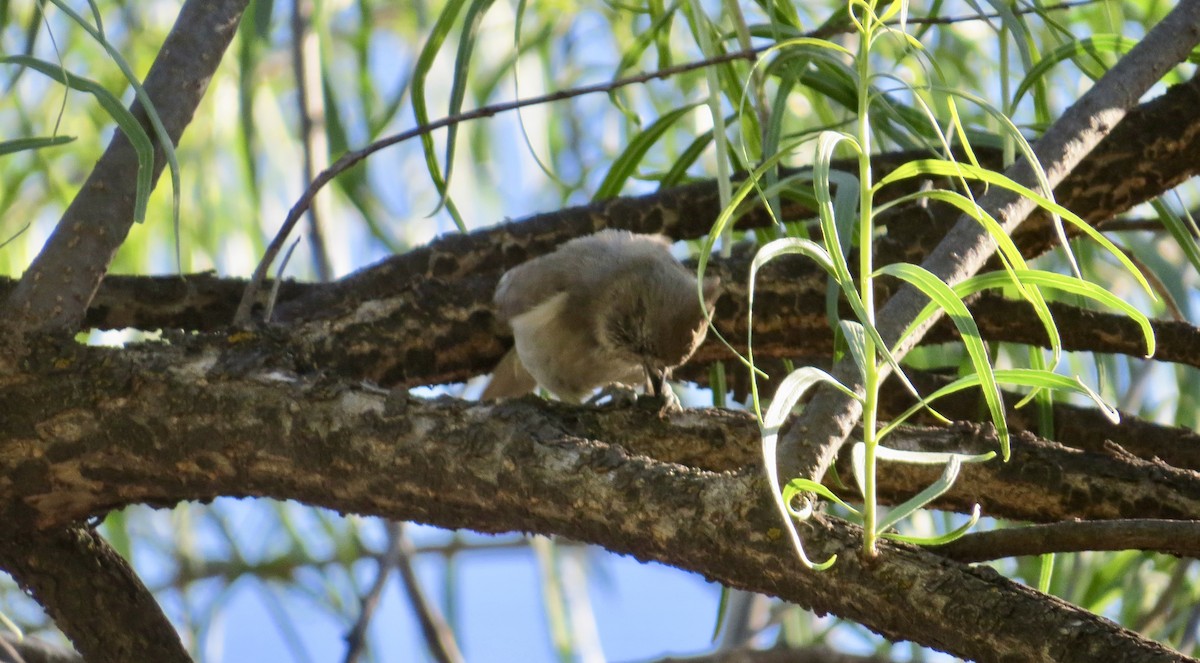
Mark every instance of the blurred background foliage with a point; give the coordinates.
(373, 68)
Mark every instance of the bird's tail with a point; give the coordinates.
(509, 380)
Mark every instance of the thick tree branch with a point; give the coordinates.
(91, 593)
(69, 399)
(58, 287)
(435, 331)
(831, 415)
(191, 429)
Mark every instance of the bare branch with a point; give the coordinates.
(438, 636)
(1177, 537)
(91, 593)
(356, 639)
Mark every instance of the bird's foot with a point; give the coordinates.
(614, 395)
(670, 402)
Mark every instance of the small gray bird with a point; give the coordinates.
(609, 308)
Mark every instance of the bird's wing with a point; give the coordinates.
(529, 284)
(582, 265)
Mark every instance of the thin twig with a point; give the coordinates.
(1166, 599)
(947, 20)
(310, 106)
(438, 636)
(271, 299)
(1173, 537)
(357, 637)
(350, 159)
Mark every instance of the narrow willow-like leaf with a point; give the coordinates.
(248, 48)
(937, 540)
(724, 222)
(918, 501)
(1179, 231)
(1010, 256)
(678, 171)
(929, 457)
(790, 391)
(1098, 43)
(1024, 377)
(1045, 573)
(164, 139)
(856, 343)
(626, 163)
(116, 110)
(33, 143)
(768, 252)
(458, 87)
(790, 246)
(956, 310)
(11, 626)
(826, 143)
(262, 17)
(1066, 284)
(943, 168)
(437, 37)
(116, 532)
(797, 487)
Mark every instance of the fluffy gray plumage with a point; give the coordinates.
(612, 307)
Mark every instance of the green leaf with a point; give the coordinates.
(626, 163)
(724, 223)
(1097, 43)
(936, 540)
(796, 487)
(685, 160)
(826, 210)
(956, 310)
(160, 132)
(1065, 283)
(1025, 377)
(929, 494)
(116, 110)
(790, 391)
(458, 88)
(952, 169)
(437, 37)
(856, 342)
(1010, 256)
(34, 143)
(1175, 225)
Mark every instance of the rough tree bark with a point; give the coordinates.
(280, 412)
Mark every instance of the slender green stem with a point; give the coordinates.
(865, 271)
